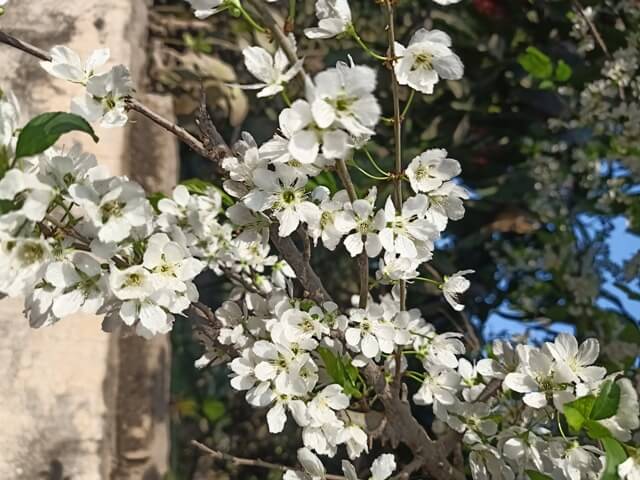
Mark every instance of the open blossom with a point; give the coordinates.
(334, 18)
(67, 65)
(446, 203)
(34, 195)
(447, 2)
(329, 207)
(22, 261)
(114, 206)
(454, 286)
(576, 362)
(408, 233)
(359, 216)
(104, 100)
(430, 169)
(440, 385)
(370, 333)
(344, 95)
(81, 283)
(302, 142)
(272, 71)
(538, 378)
(426, 60)
(283, 192)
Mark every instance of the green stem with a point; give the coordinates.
(291, 19)
(374, 163)
(247, 16)
(408, 104)
(285, 97)
(352, 31)
(429, 280)
(367, 174)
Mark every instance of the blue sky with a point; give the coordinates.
(623, 246)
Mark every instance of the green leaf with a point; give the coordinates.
(574, 418)
(154, 199)
(45, 130)
(344, 374)
(197, 186)
(595, 430)
(578, 412)
(615, 455)
(563, 71)
(331, 364)
(533, 475)
(213, 409)
(536, 63)
(606, 404)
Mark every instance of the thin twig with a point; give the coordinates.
(397, 179)
(24, 46)
(276, 30)
(592, 26)
(250, 462)
(182, 134)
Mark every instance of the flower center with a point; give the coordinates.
(423, 60)
(133, 280)
(111, 209)
(30, 253)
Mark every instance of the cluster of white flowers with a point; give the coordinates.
(75, 239)
(519, 429)
(103, 99)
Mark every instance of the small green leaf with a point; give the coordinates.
(331, 364)
(196, 185)
(615, 455)
(563, 71)
(595, 430)
(154, 199)
(342, 373)
(533, 475)
(574, 418)
(45, 130)
(606, 404)
(213, 409)
(578, 412)
(536, 63)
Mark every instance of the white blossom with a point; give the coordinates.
(454, 286)
(426, 60)
(104, 100)
(272, 71)
(334, 18)
(430, 169)
(344, 95)
(67, 65)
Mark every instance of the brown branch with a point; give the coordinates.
(276, 30)
(250, 462)
(24, 46)
(303, 270)
(592, 26)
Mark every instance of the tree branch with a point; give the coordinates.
(303, 270)
(249, 462)
(276, 30)
(24, 46)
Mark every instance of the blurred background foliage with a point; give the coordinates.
(547, 137)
